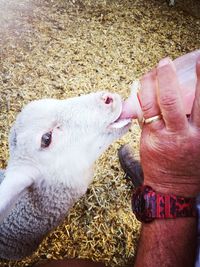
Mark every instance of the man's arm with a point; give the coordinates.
(170, 157)
(167, 243)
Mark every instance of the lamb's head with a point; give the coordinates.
(61, 139)
(58, 141)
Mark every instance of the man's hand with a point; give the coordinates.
(170, 147)
(170, 156)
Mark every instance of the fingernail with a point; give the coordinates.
(164, 61)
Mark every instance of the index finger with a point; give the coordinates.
(169, 96)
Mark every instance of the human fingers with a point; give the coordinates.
(148, 98)
(195, 114)
(169, 96)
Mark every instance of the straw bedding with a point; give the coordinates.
(66, 48)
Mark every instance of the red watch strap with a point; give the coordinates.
(148, 205)
(172, 206)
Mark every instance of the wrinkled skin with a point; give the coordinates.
(170, 157)
(170, 148)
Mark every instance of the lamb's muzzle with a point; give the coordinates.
(53, 145)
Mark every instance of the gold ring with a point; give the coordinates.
(153, 119)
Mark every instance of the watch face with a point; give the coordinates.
(142, 203)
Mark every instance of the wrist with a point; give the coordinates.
(170, 242)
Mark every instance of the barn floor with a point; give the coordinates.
(60, 49)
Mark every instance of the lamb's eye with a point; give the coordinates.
(46, 139)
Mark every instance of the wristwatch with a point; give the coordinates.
(148, 205)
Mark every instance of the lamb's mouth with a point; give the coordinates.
(120, 123)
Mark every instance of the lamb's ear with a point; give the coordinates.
(12, 186)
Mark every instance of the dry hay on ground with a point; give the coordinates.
(67, 48)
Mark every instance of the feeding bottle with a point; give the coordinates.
(186, 73)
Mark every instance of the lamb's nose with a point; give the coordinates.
(107, 98)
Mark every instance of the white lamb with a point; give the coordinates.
(53, 145)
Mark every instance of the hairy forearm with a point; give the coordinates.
(167, 243)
